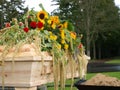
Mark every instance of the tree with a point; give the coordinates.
(106, 22)
(11, 9)
(95, 19)
(79, 12)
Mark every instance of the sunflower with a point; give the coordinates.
(73, 35)
(49, 22)
(55, 19)
(62, 41)
(60, 26)
(66, 46)
(42, 15)
(65, 24)
(53, 26)
(53, 37)
(62, 34)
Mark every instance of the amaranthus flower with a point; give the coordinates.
(21, 24)
(7, 24)
(80, 46)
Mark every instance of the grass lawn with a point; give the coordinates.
(89, 75)
(111, 74)
(114, 61)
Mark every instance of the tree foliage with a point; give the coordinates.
(11, 9)
(97, 20)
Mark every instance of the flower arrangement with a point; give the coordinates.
(57, 31)
(50, 34)
(51, 28)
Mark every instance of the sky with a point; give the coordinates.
(117, 2)
(47, 4)
(35, 3)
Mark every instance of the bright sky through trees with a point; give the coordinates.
(35, 4)
(47, 4)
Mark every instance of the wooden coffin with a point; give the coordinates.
(26, 69)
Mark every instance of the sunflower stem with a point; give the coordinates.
(41, 6)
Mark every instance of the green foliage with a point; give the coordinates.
(97, 20)
(11, 9)
(14, 35)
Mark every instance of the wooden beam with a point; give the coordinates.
(28, 88)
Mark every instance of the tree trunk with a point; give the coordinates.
(88, 35)
(94, 51)
(88, 46)
(99, 51)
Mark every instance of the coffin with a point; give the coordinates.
(27, 71)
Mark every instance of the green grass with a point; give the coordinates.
(114, 61)
(68, 82)
(111, 74)
(89, 75)
(66, 88)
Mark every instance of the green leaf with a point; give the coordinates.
(70, 26)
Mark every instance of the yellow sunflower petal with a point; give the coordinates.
(66, 46)
(65, 24)
(53, 26)
(55, 19)
(63, 41)
(42, 15)
(73, 35)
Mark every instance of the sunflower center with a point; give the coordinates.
(41, 16)
(59, 26)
